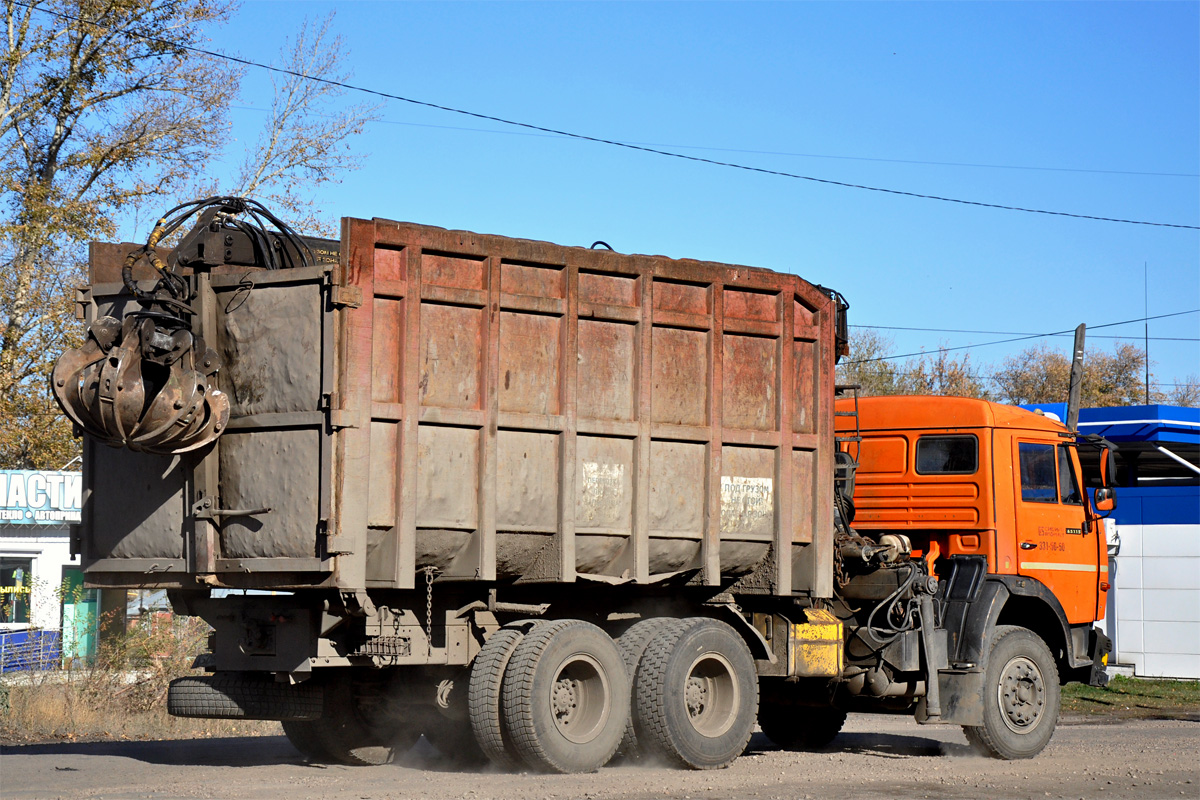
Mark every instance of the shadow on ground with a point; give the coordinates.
(242, 751)
(254, 751)
(882, 745)
(246, 751)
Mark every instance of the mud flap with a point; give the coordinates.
(961, 697)
(1099, 649)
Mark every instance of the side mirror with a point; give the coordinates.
(1108, 470)
(1105, 499)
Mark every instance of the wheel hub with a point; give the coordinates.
(565, 700)
(1022, 694)
(711, 695)
(580, 698)
(696, 695)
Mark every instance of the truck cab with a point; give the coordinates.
(974, 482)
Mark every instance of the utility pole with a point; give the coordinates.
(1146, 299)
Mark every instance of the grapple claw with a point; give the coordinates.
(134, 383)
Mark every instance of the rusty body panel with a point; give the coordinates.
(493, 409)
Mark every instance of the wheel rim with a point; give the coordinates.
(1021, 694)
(580, 698)
(711, 695)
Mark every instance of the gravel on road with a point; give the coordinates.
(875, 757)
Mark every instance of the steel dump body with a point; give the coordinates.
(497, 409)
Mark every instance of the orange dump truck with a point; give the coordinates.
(541, 504)
(992, 496)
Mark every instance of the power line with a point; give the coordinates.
(1021, 338)
(600, 140)
(776, 152)
(1015, 333)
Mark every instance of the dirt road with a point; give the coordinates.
(876, 757)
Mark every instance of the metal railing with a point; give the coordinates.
(30, 650)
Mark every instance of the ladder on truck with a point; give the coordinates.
(845, 462)
(848, 390)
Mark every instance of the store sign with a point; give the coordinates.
(40, 498)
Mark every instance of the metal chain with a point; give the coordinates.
(429, 573)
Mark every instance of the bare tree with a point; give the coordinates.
(941, 374)
(302, 141)
(1184, 393)
(869, 364)
(103, 108)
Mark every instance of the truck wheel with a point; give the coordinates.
(696, 695)
(566, 697)
(632, 644)
(1020, 697)
(483, 698)
(800, 727)
(346, 735)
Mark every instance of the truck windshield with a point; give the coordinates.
(1068, 487)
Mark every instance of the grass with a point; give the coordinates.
(1133, 698)
(120, 695)
(64, 711)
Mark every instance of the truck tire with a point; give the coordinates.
(1020, 697)
(483, 698)
(565, 697)
(800, 727)
(632, 644)
(345, 734)
(234, 695)
(696, 695)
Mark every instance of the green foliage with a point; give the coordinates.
(1133, 697)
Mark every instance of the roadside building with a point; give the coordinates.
(41, 585)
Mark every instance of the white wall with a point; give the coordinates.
(1155, 605)
(50, 551)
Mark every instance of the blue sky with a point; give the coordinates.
(1078, 94)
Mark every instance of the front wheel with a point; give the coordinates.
(1020, 697)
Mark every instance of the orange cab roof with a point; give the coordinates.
(899, 412)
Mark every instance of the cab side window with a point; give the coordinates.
(1068, 488)
(947, 455)
(1038, 484)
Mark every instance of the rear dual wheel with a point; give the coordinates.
(549, 696)
(565, 697)
(695, 695)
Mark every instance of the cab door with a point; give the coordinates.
(1054, 541)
